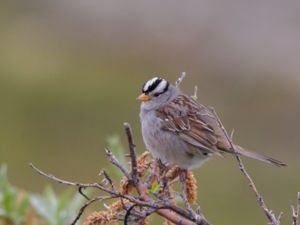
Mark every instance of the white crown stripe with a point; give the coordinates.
(150, 82)
(160, 88)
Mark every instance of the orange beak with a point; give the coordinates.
(143, 97)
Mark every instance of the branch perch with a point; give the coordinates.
(180, 79)
(142, 205)
(148, 188)
(295, 211)
(269, 214)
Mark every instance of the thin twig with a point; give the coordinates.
(117, 163)
(166, 209)
(183, 176)
(80, 190)
(271, 217)
(196, 91)
(181, 216)
(280, 217)
(109, 180)
(61, 181)
(128, 213)
(132, 150)
(195, 95)
(82, 209)
(180, 79)
(295, 211)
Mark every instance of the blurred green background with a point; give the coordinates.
(70, 72)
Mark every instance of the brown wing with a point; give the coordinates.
(191, 122)
(198, 126)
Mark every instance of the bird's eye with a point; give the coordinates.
(156, 94)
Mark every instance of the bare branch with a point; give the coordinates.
(195, 95)
(132, 151)
(81, 211)
(269, 214)
(183, 176)
(80, 190)
(180, 79)
(68, 183)
(145, 203)
(117, 163)
(171, 212)
(280, 217)
(108, 179)
(295, 211)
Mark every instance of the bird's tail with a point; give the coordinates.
(258, 156)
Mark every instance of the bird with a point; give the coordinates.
(180, 131)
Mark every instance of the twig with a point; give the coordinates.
(180, 79)
(295, 211)
(196, 91)
(80, 190)
(195, 95)
(271, 217)
(108, 179)
(183, 176)
(132, 151)
(280, 217)
(117, 163)
(166, 209)
(141, 188)
(81, 211)
(128, 213)
(61, 181)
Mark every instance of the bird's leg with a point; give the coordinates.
(183, 176)
(163, 181)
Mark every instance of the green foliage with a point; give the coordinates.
(48, 208)
(154, 188)
(195, 96)
(14, 205)
(56, 209)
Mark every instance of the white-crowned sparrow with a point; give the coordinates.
(178, 130)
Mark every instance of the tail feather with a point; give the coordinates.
(258, 156)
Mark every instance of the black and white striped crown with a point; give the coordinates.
(156, 86)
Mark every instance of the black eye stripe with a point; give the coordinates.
(165, 89)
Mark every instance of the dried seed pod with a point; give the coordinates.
(99, 218)
(167, 222)
(143, 163)
(125, 186)
(173, 173)
(144, 222)
(191, 187)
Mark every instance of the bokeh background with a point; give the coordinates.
(70, 72)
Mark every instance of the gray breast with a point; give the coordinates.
(167, 146)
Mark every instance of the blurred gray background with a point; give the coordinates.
(70, 72)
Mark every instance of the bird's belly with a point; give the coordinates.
(169, 148)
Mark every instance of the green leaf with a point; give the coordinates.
(154, 188)
(194, 97)
(11, 207)
(23, 208)
(57, 209)
(41, 206)
(64, 199)
(9, 200)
